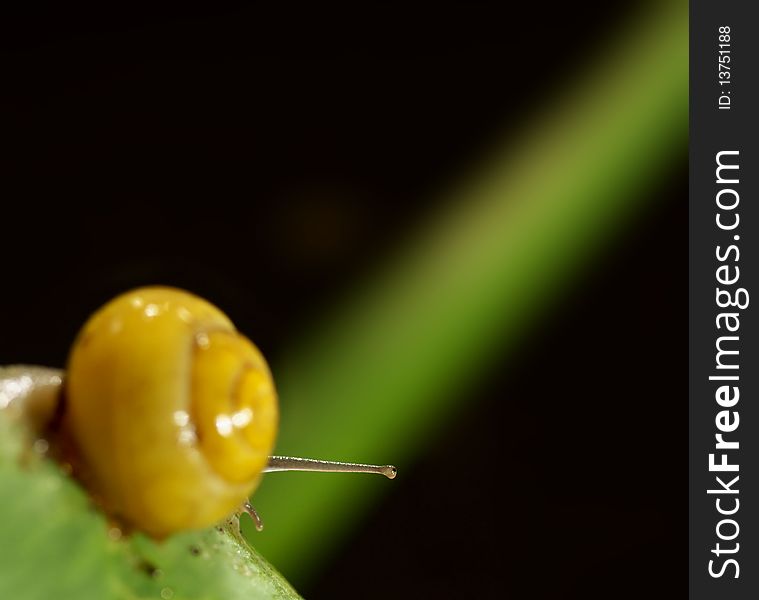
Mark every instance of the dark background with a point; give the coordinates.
(268, 158)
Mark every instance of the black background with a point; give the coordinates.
(205, 147)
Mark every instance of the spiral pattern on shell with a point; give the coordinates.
(172, 411)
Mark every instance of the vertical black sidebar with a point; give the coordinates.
(724, 300)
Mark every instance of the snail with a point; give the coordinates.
(168, 413)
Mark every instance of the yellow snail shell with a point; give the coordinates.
(172, 411)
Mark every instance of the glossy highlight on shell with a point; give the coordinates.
(172, 410)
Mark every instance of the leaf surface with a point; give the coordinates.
(55, 544)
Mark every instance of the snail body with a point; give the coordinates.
(171, 410)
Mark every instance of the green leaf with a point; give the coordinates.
(55, 544)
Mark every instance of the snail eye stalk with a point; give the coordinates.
(290, 463)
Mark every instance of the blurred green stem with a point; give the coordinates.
(391, 365)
